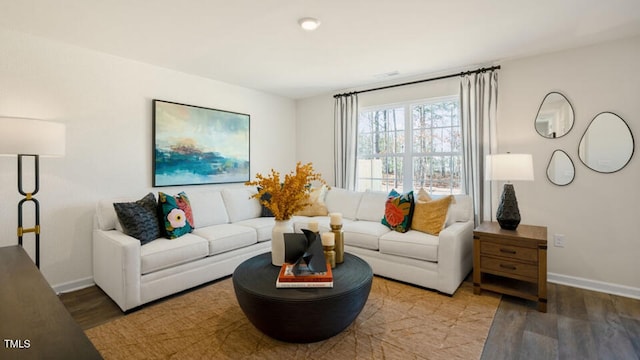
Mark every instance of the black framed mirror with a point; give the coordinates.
(555, 116)
(607, 145)
(560, 170)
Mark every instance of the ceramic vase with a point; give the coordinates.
(277, 241)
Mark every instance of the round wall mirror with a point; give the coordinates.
(560, 170)
(555, 116)
(607, 145)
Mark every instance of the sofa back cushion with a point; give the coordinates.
(460, 210)
(371, 206)
(343, 201)
(106, 217)
(208, 208)
(240, 205)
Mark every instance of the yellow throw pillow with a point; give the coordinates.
(316, 205)
(423, 195)
(430, 216)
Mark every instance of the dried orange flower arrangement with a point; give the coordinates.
(289, 196)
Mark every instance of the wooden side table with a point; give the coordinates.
(511, 262)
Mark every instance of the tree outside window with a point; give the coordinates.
(411, 146)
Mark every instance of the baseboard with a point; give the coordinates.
(73, 285)
(609, 288)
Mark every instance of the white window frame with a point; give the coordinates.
(408, 154)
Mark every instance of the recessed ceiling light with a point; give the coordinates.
(309, 23)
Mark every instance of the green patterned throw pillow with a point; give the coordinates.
(177, 216)
(398, 211)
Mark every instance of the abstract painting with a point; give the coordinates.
(193, 145)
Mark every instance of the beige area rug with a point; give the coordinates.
(399, 321)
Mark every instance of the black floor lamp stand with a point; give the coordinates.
(28, 196)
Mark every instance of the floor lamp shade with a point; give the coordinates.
(31, 138)
(509, 167)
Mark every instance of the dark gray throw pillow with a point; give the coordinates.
(139, 219)
(266, 212)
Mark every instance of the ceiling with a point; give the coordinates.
(258, 44)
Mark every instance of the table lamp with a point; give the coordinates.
(31, 138)
(509, 167)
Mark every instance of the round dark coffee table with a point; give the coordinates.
(301, 315)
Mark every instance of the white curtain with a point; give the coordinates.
(478, 105)
(345, 114)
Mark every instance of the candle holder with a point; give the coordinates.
(339, 242)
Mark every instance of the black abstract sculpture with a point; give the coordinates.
(304, 249)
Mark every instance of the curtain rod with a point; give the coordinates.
(481, 70)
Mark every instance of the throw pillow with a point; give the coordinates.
(176, 214)
(423, 195)
(265, 211)
(316, 205)
(430, 216)
(139, 219)
(398, 211)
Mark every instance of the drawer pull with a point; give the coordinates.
(508, 266)
(507, 251)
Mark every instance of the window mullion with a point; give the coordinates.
(407, 174)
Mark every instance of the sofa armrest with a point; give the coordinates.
(454, 255)
(116, 266)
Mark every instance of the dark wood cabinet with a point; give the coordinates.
(34, 324)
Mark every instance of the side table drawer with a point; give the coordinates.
(509, 267)
(515, 252)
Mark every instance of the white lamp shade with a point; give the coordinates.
(509, 167)
(31, 137)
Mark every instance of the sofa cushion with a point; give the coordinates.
(177, 215)
(460, 210)
(364, 234)
(343, 201)
(412, 244)
(371, 206)
(262, 226)
(139, 219)
(316, 206)
(240, 205)
(398, 211)
(208, 208)
(226, 237)
(429, 216)
(165, 253)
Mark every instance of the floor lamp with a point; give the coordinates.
(31, 138)
(508, 167)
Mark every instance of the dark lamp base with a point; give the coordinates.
(508, 215)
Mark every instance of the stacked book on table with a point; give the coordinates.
(304, 278)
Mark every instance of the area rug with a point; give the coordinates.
(399, 321)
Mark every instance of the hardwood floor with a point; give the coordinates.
(579, 324)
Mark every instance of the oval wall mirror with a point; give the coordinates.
(560, 170)
(607, 145)
(555, 116)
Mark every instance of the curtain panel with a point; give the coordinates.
(346, 140)
(478, 110)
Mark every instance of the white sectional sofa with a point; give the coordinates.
(229, 230)
(437, 262)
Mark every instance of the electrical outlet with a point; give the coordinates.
(558, 240)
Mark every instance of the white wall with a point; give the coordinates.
(105, 101)
(597, 213)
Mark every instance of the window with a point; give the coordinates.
(411, 146)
